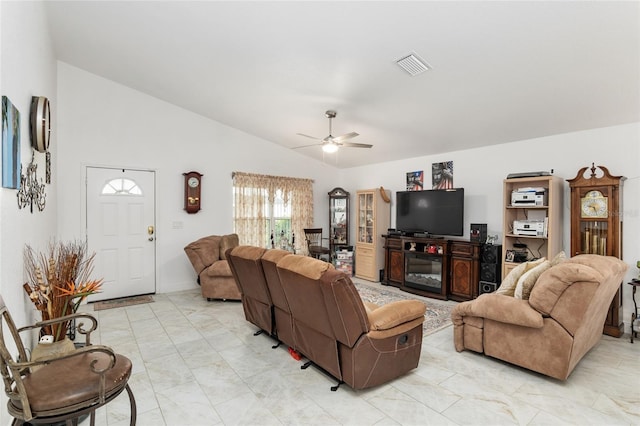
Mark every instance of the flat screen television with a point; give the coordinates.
(436, 212)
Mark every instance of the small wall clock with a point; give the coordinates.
(40, 129)
(40, 117)
(192, 191)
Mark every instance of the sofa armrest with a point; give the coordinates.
(501, 308)
(395, 313)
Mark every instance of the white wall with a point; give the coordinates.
(481, 173)
(106, 124)
(27, 68)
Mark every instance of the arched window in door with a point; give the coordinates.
(121, 186)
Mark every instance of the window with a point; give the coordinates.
(272, 211)
(278, 221)
(121, 186)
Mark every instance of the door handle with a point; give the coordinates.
(150, 230)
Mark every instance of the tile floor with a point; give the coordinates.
(198, 363)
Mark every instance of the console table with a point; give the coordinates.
(432, 267)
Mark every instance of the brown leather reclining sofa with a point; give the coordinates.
(317, 311)
(550, 332)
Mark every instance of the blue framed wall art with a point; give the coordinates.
(10, 145)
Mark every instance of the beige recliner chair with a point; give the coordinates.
(552, 330)
(207, 255)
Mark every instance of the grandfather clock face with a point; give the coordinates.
(192, 191)
(594, 205)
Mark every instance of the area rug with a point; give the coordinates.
(122, 302)
(437, 316)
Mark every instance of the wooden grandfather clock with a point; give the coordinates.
(596, 226)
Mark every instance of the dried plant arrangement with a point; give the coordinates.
(58, 281)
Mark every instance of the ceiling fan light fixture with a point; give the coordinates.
(330, 148)
(332, 144)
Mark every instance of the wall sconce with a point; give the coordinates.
(31, 192)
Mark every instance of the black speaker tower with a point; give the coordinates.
(490, 268)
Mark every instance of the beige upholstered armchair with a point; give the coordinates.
(207, 255)
(551, 330)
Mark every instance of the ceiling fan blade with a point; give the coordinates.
(345, 137)
(307, 136)
(355, 145)
(307, 146)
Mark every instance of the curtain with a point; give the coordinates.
(253, 194)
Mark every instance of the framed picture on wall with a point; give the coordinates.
(10, 145)
(442, 175)
(415, 181)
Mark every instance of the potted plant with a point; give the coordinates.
(58, 281)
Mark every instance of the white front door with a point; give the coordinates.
(121, 230)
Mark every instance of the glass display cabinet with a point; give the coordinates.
(373, 217)
(338, 219)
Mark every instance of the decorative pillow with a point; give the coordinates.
(528, 280)
(558, 258)
(509, 282)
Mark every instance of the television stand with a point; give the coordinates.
(432, 266)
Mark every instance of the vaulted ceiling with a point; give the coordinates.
(500, 71)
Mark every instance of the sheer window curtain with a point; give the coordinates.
(254, 193)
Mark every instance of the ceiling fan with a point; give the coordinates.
(333, 143)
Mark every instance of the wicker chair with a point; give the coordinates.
(63, 387)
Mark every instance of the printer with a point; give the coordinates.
(530, 228)
(522, 197)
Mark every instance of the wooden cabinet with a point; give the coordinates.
(373, 217)
(532, 226)
(338, 219)
(394, 262)
(596, 222)
(464, 270)
(433, 267)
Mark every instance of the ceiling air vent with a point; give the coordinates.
(412, 64)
